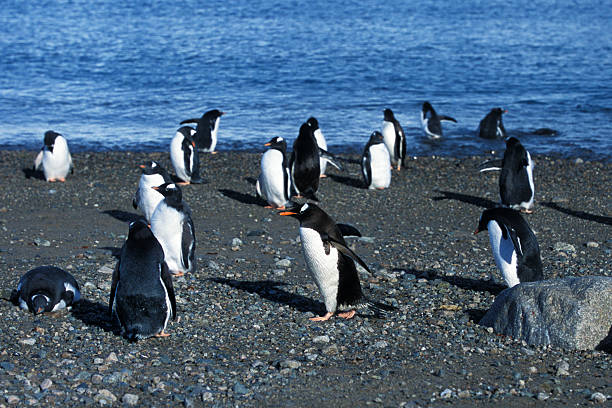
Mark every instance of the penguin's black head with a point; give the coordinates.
(482, 222)
(427, 106)
(306, 130)
(376, 137)
(139, 230)
(150, 167)
(50, 137)
(303, 212)
(170, 190)
(313, 122)
(388, 114)
(213, 114)
(277, 143)
(40, 303)
(498, 112)
(187, 132)
(511, 142)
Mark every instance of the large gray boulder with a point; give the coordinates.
(573, 313)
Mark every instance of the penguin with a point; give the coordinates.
(206, 130)
(147, 199)
(430, 121)
(142, 296)
(395, 138)
(172, 225)
(514, 245)
(491, 126)
(376, 163)
(273, 184)
(184, 156)
(321, 142)
(46, 289)
(304, 164)
(516, 187)
(332, 264)
(54, 158)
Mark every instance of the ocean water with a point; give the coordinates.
(121, 75)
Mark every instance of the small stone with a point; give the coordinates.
(283, 263)
(112, 358)
(235, 242)
(42, 242)
(598, 397)
(129, 399)
(381, 344)
(213, 265)
(330, 350)
(96, 379)
(240, 389)
(592, 244)
(290, 364)
(12, 399)
(106, 270)
(579, 161)
(321, 339)
(543, 396)
(447, 393)
(564, 247)
(533, 370)
(28, 342)
(98, 361)
(463, 394)
(256, 233)
(105, 397)
(563, 368)
(46, 384)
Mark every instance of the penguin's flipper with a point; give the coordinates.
(348, 230)
(166, 278)
(489, 169)
(190, 121)
(113, 288)
(341, 247)
(135, 202)
(38, 160)
(447, 118)
(366, 167)
(516, 241)
(330, 158)
(187, 243)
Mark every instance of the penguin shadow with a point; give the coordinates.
(348, 181)
(271, 290)
(93, 314)
(476, 285)
(31, 173)
(123, 216)
(242, 197)
(251, 180)
(478, 201)
(579, 214)
(606, 344)
(115, 252)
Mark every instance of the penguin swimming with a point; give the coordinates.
(147, 199)
(184, 156)
(491, 126)
(142, 296)
(516, 187)
(206, 130)
(273, 184)
(514, 245)
(304, 164)
(54, 158)
(332, 264)
(321, 142)
(46, 289)
(430, 121)
(172, 225)
(376, 163)
(395, 138)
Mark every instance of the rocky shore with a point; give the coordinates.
(244, 338)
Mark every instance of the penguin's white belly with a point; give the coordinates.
(388, 132)
(167, 226)
(504, 254)
(272, 180)
(177, 157)
(380, 164)
(323, 145)
(149, 199)
(528, 204)
(56, 164)
(323, 267)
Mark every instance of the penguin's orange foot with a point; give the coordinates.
(399, 167)
(347, 315)
(178, 274)
(380, 188)
(183, 183)
(268, 206)
(162, 334)
(322, 318)
(323, 176)
(51, 180)
(63, 180)
(298, 196)
(214, 152)
(282, 207)
(526, 211)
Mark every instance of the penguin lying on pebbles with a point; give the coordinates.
(206, 130)
(54, 158)
(184, 156)
(147, 199)
(376, 163)
(332, 264)
(430, 121)
(514, 245)
(142, 296)
(395, 138)
(491, 126)
(46, 289)
(273, 184)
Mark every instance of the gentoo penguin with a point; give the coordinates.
(46, 289)
(394, 138)
(314, 124)
(332, 264)
(273, 184)
(376, 163)
(206, 130)
(304, 164)
(491, 127)
(430, 121)
(514, 246)
(147, 199)
(184, 156)
(172, 225)
(54, 158)
(142, 295)
(516, 179)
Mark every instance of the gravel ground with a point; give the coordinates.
(244, 338)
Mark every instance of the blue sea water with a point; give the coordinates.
(121, 75)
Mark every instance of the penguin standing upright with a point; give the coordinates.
(146, 199)
(206, 130)
(273, 184)
(321, 142)
(54, 158)
(514, 245)
(516, 187)
(491, 126)
(46, 289)
(142, 295)
(172, 225)
(395, 138)
(431, 121)
(184, 156)
(332, 264)
(376, 163)
(304, 163)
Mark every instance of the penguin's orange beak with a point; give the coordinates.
(193, 144)
(155, 188)
(267, 144)
(477, 231)
(505, 111)
(39, 310)
(288, 213)
(142, 166)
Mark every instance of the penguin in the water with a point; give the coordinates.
(430, 121)
(491, 126)
(147, 199)
(184, 156)
(46, 289)
(516, 187)
(304, 164)
(273, 184)
(54, 158)
(395, 138)
(172, 225)
(332, 264)
(321, 142)
(206, 130)
(142, 295)
(514, 245)
(376, 163)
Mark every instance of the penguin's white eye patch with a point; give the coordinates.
(132, 224)
(279, 139)
(153, 164)
(192, 131)
(304, 208)
(171, 186)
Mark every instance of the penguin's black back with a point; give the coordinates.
(305, 161)
(46, 280)
(514, 187)
(433, 124)
(488, 125)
